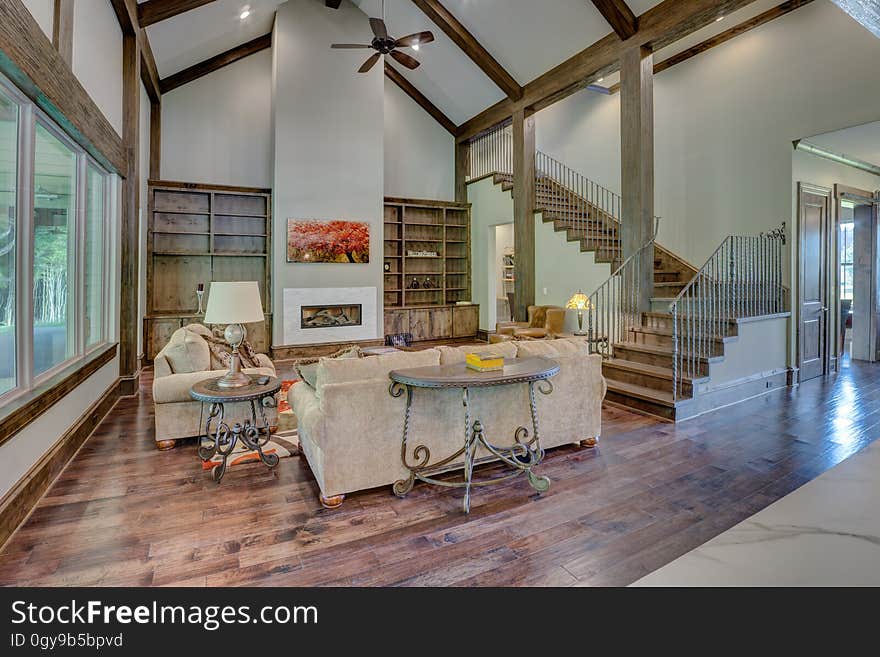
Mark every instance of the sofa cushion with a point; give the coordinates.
(451, 355)
(552, 348)
(331, 370)
(187, 352)
(307, 369)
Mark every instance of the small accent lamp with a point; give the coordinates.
(234, 304)
(580, 302)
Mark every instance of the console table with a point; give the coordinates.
(253, 433)
(523, 455)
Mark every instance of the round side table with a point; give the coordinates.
(254, 433)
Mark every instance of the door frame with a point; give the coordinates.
(860, 197)
(830, 240)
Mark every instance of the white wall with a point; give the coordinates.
(724, 123)
(43, 12)
(97, 56)
(217, 129)
(419, 152)
(328, 141)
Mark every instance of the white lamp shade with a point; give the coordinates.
(234, 303)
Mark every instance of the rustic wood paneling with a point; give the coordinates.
(523, 213)
(459, 34)
(62, 30)
(661, 25)
(153, 11)
(410, 90)
(637, 163)
(28, 58)
(231, 56)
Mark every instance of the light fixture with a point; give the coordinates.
(245, 12)
(580, 302)
(719, 19)
(415, 47)
(234, 304)
(600, 79)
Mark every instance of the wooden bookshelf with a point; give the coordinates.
(199, 234)
(421, 290)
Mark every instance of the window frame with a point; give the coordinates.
(29, 116)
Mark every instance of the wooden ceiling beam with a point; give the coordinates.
(619, 16)
(444, 19)
(149, 71)
(126, 14)
(153, 11)
(201, 69)
(661, 25)
(332, 4)
(727, 35)
(410, 90)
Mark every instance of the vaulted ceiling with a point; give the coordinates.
(526, 37)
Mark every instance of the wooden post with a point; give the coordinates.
(156, 141)
(128, 314)
(62, 30)
(523, 213)
(637, 162)
(462, 156)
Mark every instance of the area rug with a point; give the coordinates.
(282, 443)
(286, 417)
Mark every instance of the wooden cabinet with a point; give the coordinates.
(433, 322)
(465, 321)
(199, 234)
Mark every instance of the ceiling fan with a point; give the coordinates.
(386, 45)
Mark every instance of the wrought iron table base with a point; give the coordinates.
(522, 456)
(223, 439)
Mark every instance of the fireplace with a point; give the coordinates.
(330, 315)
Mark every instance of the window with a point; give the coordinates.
(54, 250)
(8, 184)
(846, 260)
(94, 256)
(53, 247)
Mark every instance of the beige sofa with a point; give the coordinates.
(350, 427)
(184, 361)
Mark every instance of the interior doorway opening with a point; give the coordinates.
(846, 227)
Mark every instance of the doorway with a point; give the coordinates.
(815, 242)
(501, 279)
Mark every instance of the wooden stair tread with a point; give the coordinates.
(661, 397)
(661, 351)
(654, 330)
(651, 370)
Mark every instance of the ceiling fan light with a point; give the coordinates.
(415, 46)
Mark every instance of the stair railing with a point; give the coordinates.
(614, 306)
(491, 152)
(742, 278)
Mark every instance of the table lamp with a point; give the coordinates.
(234, 304)
(580, 302)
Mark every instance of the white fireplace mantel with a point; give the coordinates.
(295, 297)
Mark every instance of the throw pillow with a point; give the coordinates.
(187, 352)
(307, 368)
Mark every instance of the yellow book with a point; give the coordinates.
(485, 362)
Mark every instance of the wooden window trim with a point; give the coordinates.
(22, 410)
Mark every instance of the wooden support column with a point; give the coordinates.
(156, 141)
(128, 314)
(523, 213)
(62, 30)
(462, 155)
(637, 162)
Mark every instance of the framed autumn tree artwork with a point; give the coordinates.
(315, 240)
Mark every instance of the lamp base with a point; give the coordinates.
(234, 380)
(580, 333)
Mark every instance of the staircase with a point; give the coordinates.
(655, 361)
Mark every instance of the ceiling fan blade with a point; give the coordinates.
(367, 65)
(406, 60)
(379, 28)
(351, 45)
(417, 38)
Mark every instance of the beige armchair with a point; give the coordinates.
(184, 361)
(544, 322)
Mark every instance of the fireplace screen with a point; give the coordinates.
(330, 316)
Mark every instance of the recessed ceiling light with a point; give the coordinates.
(245, 13)
(600, 79)
(719, 19)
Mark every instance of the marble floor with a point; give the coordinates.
(825, 533)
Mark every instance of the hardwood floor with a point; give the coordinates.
(124, 513)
